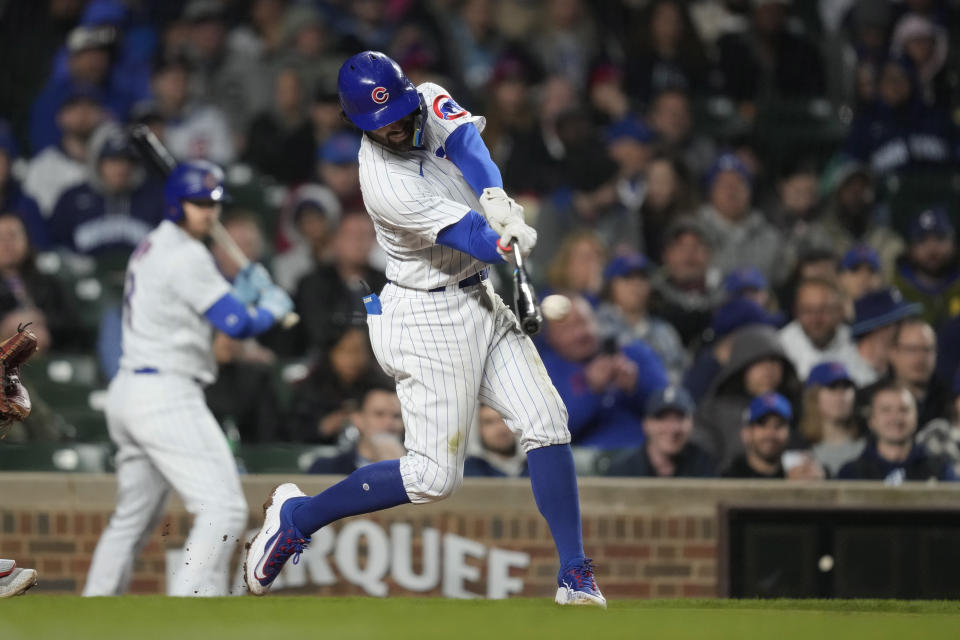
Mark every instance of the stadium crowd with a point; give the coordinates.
(752, 205)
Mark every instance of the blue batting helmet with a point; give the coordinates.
(374, 92)
(194, 180)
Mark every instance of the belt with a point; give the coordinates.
(146, 370)
(476, 278)
(155, 371)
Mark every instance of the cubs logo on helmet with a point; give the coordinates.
(379, 95)
(446, 108)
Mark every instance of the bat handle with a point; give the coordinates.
(518, 259)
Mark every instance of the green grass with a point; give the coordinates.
(37, 616)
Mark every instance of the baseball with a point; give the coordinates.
(555, 307)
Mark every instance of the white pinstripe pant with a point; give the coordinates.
(447, 350)
(167, 438)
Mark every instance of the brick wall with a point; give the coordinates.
(647, 538)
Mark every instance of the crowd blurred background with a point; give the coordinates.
(751, 203)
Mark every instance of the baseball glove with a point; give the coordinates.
(14, 399)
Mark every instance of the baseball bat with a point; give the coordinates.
(158, 157)
(524, 297)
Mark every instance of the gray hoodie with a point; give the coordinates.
(720, 416)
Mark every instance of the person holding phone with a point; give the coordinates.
(604, 383)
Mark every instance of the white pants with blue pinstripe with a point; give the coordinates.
(448, 351)
(167, 438)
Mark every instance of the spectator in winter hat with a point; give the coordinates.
(929, 271)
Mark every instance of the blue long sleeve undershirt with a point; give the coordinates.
(473, 235)
(237, 321)
(466, 149)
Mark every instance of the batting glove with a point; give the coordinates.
(276, 301)
(524, 235)
(499, 209)
(250, 281)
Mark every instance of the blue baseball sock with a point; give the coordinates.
(371, 488)
(554, 482)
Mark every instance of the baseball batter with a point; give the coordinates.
(167, 438)
(441, 216)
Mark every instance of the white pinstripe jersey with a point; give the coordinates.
(171, 282)
(412, 196)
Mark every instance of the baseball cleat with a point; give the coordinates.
(277, 540)
(15, 581)
(576, 586)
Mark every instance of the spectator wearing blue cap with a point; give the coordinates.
(757, 365)
(818, 332)
(624, 311)
(874, 327)
(747, 282)
(929, 271)
(667, 451)
(108, 215)
(13, 200)
(942, 436)
(280, 139)
(859, 274)
(193, 128)
(337, 168)
(604, 385)
(764, 434)
(828, 421)
(61, 166)
(630, 144)
(891, 454)
(740, 235)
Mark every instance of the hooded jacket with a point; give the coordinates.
(88, 220)
(720, 416)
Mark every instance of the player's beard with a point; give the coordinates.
(397, 142)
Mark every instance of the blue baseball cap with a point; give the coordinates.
(828, 373)
(626, 265)
(769, 404)
(76, 92)
(340, 148)
(630, 128)
(879, 309)
(858, 256)
(728, 162)
(741, 312)
(743, 279)
(933, 221)
(669, 398)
